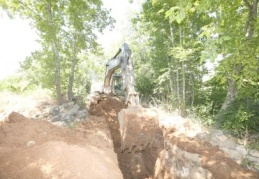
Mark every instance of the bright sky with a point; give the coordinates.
(121, 11)
(17, 39)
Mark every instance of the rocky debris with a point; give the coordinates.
(227, 143)
(30, 143)
(63, 115)
(233, 149)
(67, 113)
(217, 138)
(254, 153)
(192, 158)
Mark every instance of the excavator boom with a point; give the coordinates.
(138, 125)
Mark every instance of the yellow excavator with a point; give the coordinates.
(138, 125)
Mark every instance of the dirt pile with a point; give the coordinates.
(191, 158)
(38, 149)
(134, 165)
(34, 148)
(144, 164)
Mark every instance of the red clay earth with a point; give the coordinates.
(134, 165)
(38, 149)
(83, 152)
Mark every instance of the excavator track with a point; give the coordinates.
(138, 128)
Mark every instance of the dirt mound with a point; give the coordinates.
(142, 164)
(38, 149)
(134, 165)
(213, 159)
(91, 149)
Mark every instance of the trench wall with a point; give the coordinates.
(190, 158)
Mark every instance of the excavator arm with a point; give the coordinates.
(122, 60)
(138, 126)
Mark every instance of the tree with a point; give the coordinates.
(239, 66)
(67, 26)
(174, 48)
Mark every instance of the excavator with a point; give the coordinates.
(138, 125)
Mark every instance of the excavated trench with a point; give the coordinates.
(32, 148)
(133, 165)
(179, 157)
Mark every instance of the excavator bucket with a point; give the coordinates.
(138, 127)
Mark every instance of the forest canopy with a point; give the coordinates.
(197, 56)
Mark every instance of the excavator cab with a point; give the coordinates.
(138, 125)
(117, 84)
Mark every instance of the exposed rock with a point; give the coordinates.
(82, 114)
(65, 105)
(202, 135)
(254, 153)
(60, 123)
(65, 117)
(192, 157)
(229, 143)
(75, 110)
(67, 113)
(214, 143)
(222, 138)
(214, 139)
(54, 110)
(55, 118)
(30, 143)
(217, 133)
(200, 172)
(253, 159)
(77, 120)
(241, 149)
(62, 109)
(232, 153)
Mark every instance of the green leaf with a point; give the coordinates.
(180, 17)
(161, 11)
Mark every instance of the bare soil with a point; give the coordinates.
(83, 152)
(214, 159)
(135, 164)
(91, 149)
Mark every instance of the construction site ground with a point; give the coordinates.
(32, 148)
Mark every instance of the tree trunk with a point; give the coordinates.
(170, 76)
(183, 88)
(70, 93)
(57, 73)
(191, 89)
(251, 18)
(231, 95)
(72, 72)
(249, 31)
(56, 55)
(183, 73)
(178, 88)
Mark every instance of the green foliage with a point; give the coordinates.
(202, 114)
(15, 84)
(241, 118)
(253, 143)
(172, 49)
(179, 37)
(175, 14)
(172, 40)
(145, 85)
(247, 163)
(66, 28)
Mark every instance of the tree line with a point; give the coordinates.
(181, 39)
(175, 43)
(68, 32)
